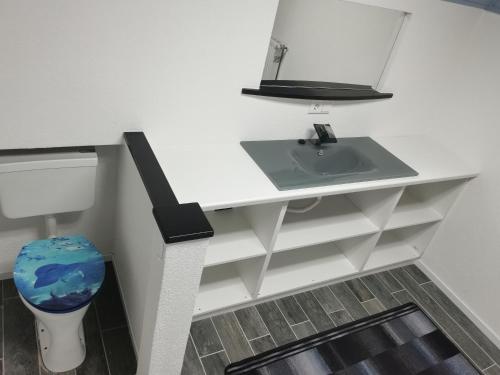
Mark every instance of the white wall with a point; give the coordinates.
(97, 223)
(466, 253)
(335, 40)
(81, 72)
(417, 75)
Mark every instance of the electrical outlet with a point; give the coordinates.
(318, 109)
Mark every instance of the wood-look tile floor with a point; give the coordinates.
(230, 337)
(109, 347)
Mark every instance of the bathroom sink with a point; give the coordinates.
(332, 161)
(293, 165)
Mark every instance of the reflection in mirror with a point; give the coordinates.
(331, 41)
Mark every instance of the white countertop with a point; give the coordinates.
(224, 175)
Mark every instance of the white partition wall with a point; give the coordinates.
(137, 243)
(171, 296)
(159, 282)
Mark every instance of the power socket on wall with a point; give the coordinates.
(318, 109)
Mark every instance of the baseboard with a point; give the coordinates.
(108, 257)
(5, 275)
(485, 328)
(134, 341)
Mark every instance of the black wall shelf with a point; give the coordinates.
(315, 90)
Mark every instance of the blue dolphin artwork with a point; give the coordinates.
(59, 274)
(51, 273)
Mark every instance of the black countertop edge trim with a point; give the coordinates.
(156, 184)
(176, 222)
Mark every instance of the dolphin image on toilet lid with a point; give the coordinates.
(59, 274)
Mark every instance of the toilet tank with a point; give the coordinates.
(46, 182)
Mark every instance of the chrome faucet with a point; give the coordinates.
(325, 134)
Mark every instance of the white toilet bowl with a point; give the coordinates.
(61, 337)
(57, 279)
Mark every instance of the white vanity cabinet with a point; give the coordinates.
(262, 251)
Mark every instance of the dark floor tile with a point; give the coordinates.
(380, 291)
(389, 281)
(1, 366)
(317, 316)
(119, 351)
(348, 300)
(95, 360)
(304, 329)
(109, 303)
(205, 337)
(291, 310)
(21, 354)
(373, 306)
(215, 364)
(262, 344)
(232, 337)
(416, 273)
(493, 370)
(359, 289)
(192, 364)
(442, 319)
(276, 323)
(326, 298)
(340, 317)
(467, 325)
(44, 371)
(1, 330)
(9, 289)
(404, 297)
(251, 322)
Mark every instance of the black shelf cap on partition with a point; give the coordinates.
(184, 222)
(176, 222)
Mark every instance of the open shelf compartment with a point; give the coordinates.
(336, 217)
(400, 245)
(234, 239)
(425, 203)
(227, 284)
(297, 268)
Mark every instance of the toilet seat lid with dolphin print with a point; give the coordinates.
(60, 274)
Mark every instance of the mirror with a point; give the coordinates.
(331, 41)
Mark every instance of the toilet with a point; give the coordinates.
(57, 276)
(56, 279)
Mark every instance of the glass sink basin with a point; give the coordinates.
(332, 161)
(291, 165)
